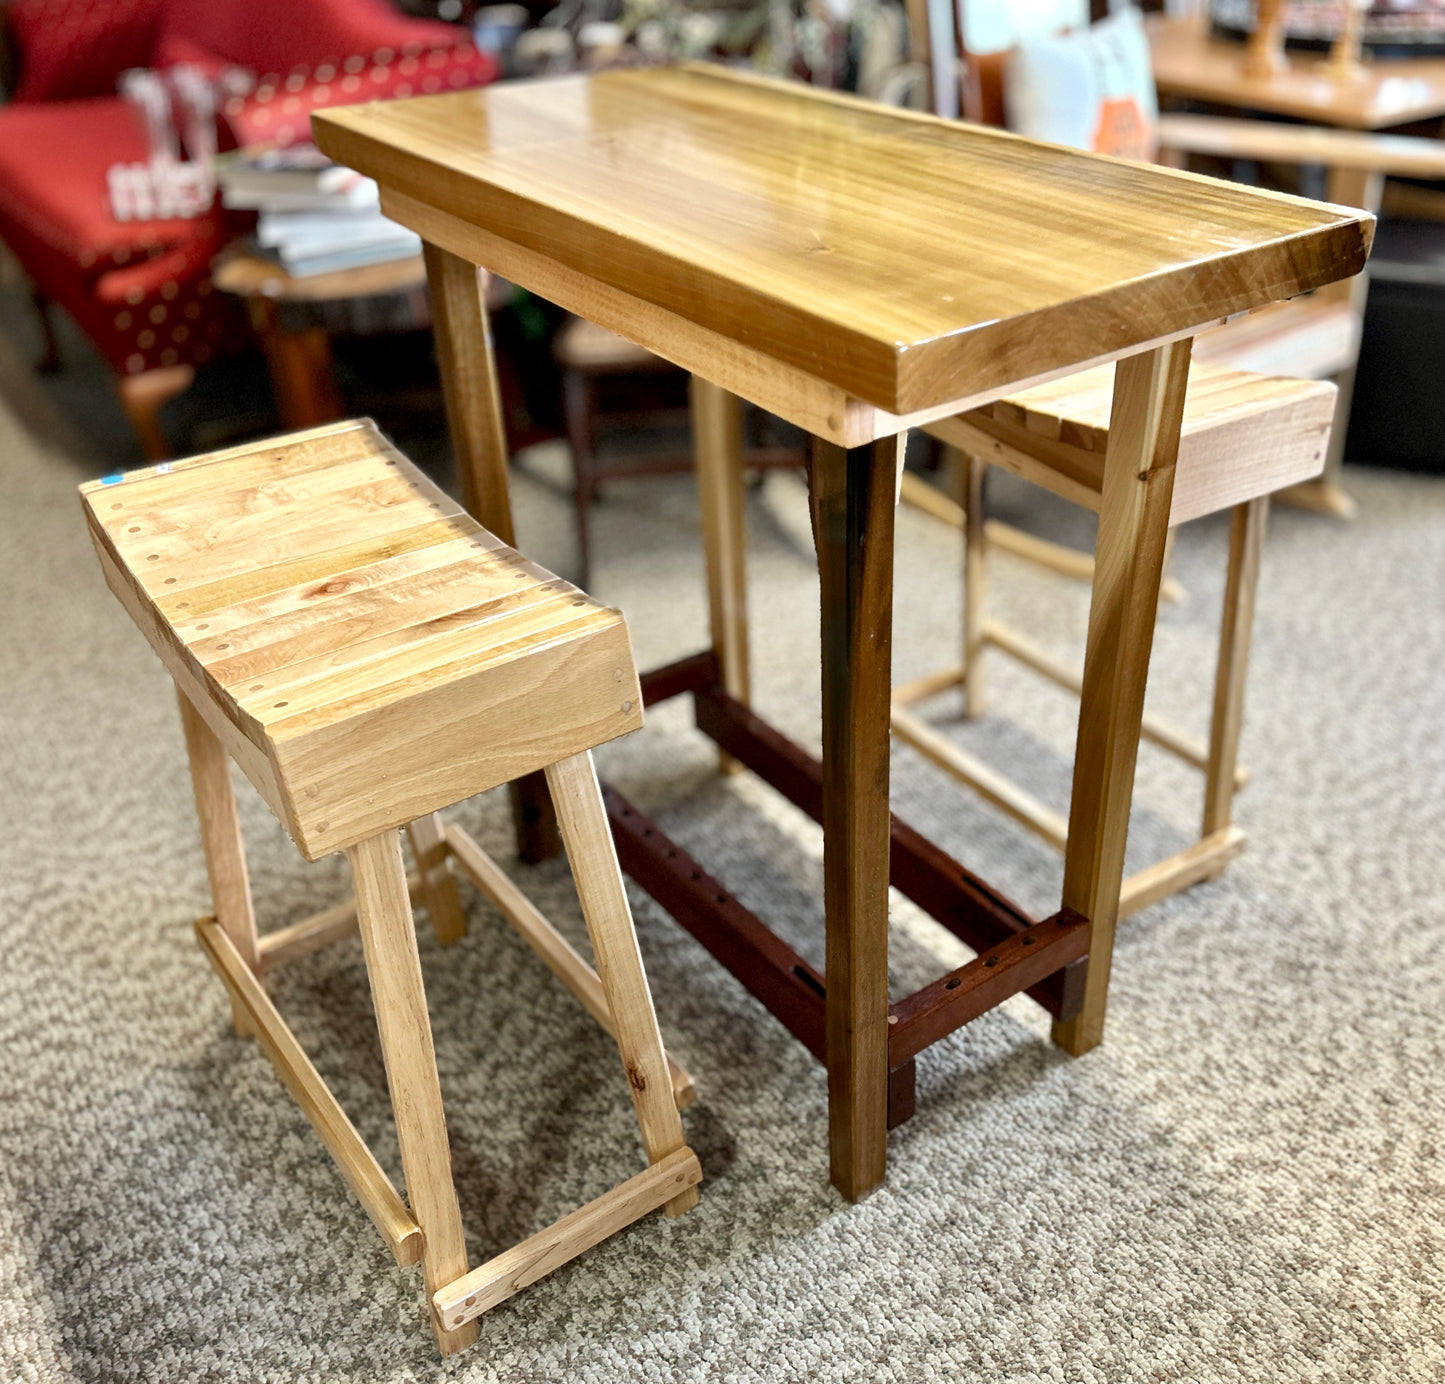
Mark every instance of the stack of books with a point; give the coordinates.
(315, 216)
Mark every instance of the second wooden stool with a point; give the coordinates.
(368, 654)
(1244, 436)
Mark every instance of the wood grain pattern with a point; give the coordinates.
(812, 404)
(852, 497)
(1133, 528)
(393, 967)
(345, 629)
(808, 227)
(1243, 435)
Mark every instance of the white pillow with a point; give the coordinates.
(1091, 90)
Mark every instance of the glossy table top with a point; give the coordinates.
(1390, 91)
(903, 259)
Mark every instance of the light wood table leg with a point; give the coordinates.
(388, 937)
(593, 858)
(970, 471)
(479, 439)
(852, 505)
(717, 432)
(224, 846)
(1236, 630)
(428, 838)
(1128, 566)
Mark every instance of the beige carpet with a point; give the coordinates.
(1246, 1182)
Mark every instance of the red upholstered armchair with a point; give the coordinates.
(141, 290)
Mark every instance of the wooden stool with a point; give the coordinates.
(368, 654)
(1243, 437)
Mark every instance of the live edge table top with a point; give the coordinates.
(904, 260)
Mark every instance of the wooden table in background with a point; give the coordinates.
(1391, 91)
(1190, 64)
(298, 348)
(857, 271)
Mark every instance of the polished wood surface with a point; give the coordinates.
(1385, 92)
(875, 250)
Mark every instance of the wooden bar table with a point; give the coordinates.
(856, 270)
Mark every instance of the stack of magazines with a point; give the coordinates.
(315, 216)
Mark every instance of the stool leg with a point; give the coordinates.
(975, 586)
(1246, 546)
(388, 937)
(438, 884)
(593, 857)
(1128, 566)
(718, 446)
(221, 839)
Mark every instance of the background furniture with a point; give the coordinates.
(294, 320)
(1316, 337)
(692, 245)
(1378, 94)
(593, 360)
(368, 654)
(141, 290)
(1243, 436)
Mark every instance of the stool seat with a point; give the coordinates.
(329, 610)
(1243, 436)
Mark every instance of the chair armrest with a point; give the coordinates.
(1394, 155)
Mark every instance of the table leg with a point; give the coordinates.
(717, 433)
(852, 496)
(479, 440)
(1128, 567)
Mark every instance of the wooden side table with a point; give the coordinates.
(858, 271)
(294, 319)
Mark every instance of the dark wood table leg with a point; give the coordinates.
(1128, 567)
(479, 440)
(852, 508)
